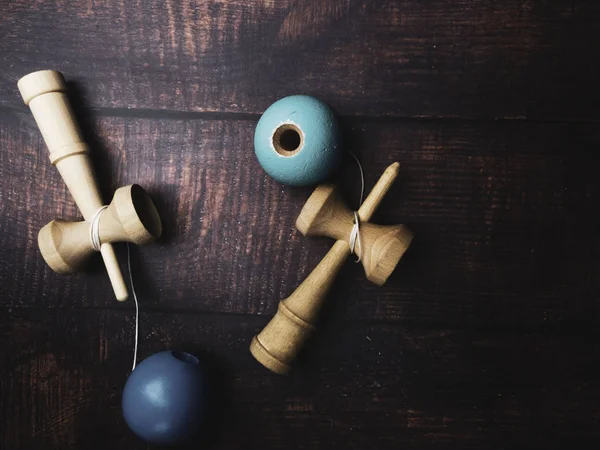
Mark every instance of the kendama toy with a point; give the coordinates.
(131, 216)
(380, 250)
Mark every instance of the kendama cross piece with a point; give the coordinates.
(131, 216)
(380, 250)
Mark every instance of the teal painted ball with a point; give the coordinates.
(297, 141)
(164, 398)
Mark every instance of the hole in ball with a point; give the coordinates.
(288, 139)
(185, 357)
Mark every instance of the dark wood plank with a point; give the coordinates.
(465, 58)
(358, 386)
(505, 215)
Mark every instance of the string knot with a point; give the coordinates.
(355, 238)
(95, 229)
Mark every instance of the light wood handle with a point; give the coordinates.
(278, 344)
(45, 94)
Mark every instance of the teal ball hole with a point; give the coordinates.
(287, 139)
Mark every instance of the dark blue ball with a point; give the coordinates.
(164, 398)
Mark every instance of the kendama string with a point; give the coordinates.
(95, 229)
(354, 240)
(96, 245)
(137, 308)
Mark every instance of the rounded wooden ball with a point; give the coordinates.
(164, 398)
(297, 141)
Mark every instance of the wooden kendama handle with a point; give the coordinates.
(45, 94)
(279, 342)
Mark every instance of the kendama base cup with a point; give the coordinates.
(130, 217)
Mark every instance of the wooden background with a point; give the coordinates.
(488, 333)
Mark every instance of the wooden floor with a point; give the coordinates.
(488, 334)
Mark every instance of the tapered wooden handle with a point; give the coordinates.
(278, 344)
(45, 93)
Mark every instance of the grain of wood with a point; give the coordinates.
(63, 371)
(463, 58)
(485, 337)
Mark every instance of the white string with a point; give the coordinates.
(95, 229)
(355, 238)
(137, 308)
(96, 244)
(354, 241)
(362, 178)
